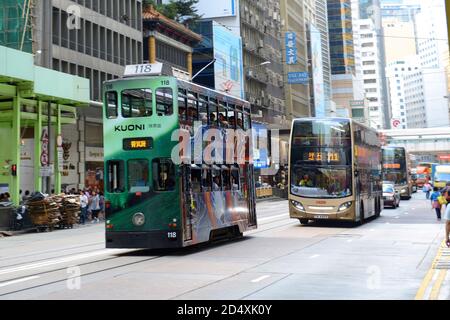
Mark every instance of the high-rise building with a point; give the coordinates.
(295, 19)
(341, 36)
(372, 64)
(399, 39)
(259, 25)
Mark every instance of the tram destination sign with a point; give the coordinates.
(136, 70)
(131, 144)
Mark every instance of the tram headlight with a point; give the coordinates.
(298, 205)
(345, 206)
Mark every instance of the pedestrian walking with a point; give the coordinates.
(102, 204)
(435, 202)
(95, 206)
(446, 195)
(427, 189)
(83, 206)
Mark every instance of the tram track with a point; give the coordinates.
(48, 273)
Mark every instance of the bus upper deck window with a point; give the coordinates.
(164, 102)
(137, 103)
(115, 178)
(182, 103)
(111, 105)
(138, 177)
(163, 175)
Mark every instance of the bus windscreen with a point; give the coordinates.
(321, 159)
(394, 165)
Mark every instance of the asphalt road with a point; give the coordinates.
(387, 258)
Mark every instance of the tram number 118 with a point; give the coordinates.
(171, 235)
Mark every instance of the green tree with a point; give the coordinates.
(182, 11)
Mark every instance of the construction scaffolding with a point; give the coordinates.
(16, 24)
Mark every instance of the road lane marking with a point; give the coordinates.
(58, 261)
(273, 217)
(260, 279)
(434, 295)
(8, 283)
(429, 277)
(315, 256)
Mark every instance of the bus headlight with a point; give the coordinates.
(298, 205)
(345, 206)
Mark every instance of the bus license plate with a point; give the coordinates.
(321, 217)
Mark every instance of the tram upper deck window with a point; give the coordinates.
(137, 103)
(138, 177)
(111, 105)
(182, 103)
(213, 112)
(223, 115)
(231, 116)
(163, 175)
(115, 178)
(203, 109)
(164, 102)
(240, 121)
(192, 107)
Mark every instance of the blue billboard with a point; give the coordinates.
(298, 78)
(260, 146)
(228, 68)
(317, 67)
(291, 47)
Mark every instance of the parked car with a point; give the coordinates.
(390, 196)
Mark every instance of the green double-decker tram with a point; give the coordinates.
(152, 200)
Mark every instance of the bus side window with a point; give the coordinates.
(206, 180)
(116, 174)
(213, 113)
(111, 105)
(192, 107)
(203, 110)
(163, 175)
(182, 103)
(226, 179)
(164, 102)
(196, 180)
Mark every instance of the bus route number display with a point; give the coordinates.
(391, 165)
(137, 144)
(322, 156)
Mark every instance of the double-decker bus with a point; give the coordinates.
(152, 201)
(335, 170)
(396, 170)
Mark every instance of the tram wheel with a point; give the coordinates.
(303, 221)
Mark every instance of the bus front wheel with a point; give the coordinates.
(304, 221)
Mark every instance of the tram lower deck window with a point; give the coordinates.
(163, 175)
(116, 174)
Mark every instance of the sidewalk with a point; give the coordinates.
(9, 233)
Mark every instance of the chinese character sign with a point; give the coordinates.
(291, 47)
